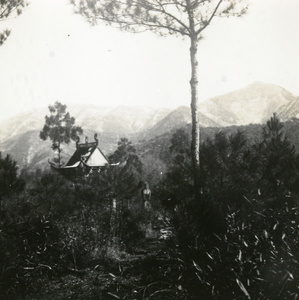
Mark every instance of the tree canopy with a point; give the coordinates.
(9, 8)
(123, 180)
(59, 127)
(278, 159)
(180, 17)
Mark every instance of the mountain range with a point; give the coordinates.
(254, 104)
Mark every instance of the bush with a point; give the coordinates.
(255, 258)
(30, 248)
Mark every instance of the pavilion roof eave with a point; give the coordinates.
(91, 166)
(76, 165)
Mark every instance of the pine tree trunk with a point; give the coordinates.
(195, 116)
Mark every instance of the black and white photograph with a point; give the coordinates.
(149, 149)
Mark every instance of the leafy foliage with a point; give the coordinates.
(256, 257)
(49, 231)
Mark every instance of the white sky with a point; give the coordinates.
(53, 54)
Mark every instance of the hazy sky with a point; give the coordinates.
(53, 54)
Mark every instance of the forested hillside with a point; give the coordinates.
(136, 230)
(155, 150)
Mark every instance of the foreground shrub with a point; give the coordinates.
(30, 250)
(255, 258)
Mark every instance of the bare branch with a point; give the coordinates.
(210, 19)
(163, 11)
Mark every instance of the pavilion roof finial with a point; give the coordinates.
(96, 138)
(77, 142)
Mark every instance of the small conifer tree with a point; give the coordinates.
(59, 128)
(9, 179)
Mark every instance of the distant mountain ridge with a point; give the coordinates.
(123, 120)
(254, 104)
(174, 120)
